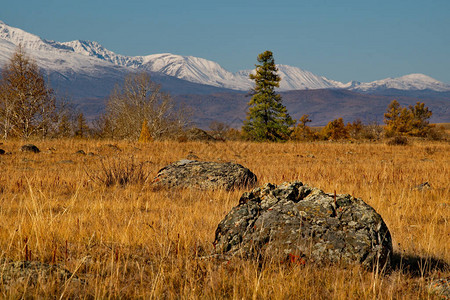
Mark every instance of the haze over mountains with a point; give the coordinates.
(87, 72)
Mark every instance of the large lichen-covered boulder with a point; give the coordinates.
(204, 175)
(302, 224)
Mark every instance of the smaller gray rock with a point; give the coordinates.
(204, 175)
(427, 160)
(197, 134)
(31, 271)
(30, 148)
(109, 147)
(81, 152)
(422, 186)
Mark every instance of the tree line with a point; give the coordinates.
(29, 108)
(139, 110)
(268, 119)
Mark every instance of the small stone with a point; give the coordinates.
(30, 148)
(81, 152)
(427, 160)
(2, 152)
(33, 271)
(111, 147)
(422, 186)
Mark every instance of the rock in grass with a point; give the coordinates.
(80, 152)
(30, 272)
(422, 186)
(2, 151)
(204, 175)
(197, 134)
(30, 148)
(297, 223)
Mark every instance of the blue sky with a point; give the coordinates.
(342, 40)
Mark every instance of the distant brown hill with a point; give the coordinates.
(322, 105)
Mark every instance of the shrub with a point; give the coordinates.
(302, 132)
(234, 135)
(335, 130)
(219, 130)
(437, 133)
(355, 129)
(411, 121)
(119, 172)
(372, 131)
(398, 141)
(145, 136)
(139, 99)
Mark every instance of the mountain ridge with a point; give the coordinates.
(206, 72)
(322, 106)
(85, 72)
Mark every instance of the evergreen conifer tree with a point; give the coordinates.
(267, 117)
(82, 129)
(65, 126)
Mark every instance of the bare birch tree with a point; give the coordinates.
(27, 105)
(139, 100)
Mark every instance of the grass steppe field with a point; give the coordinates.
(136, 242)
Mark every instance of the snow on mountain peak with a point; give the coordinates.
(293, 78)
(193, 69)
(407, 82)
(87, 55)
(20, 37)
(417, 77)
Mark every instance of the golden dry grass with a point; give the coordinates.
(445, 125)
(135, 242)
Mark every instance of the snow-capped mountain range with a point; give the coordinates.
(84, 58)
